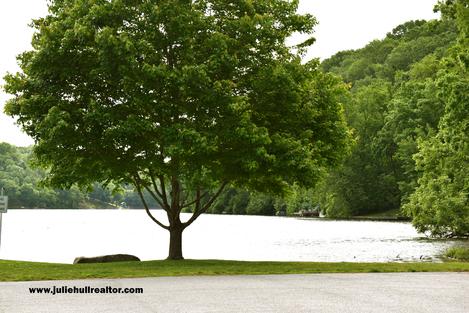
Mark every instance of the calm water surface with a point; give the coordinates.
(62, 235)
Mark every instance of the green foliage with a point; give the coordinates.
(22, 183)
(260, 204)
(16, 169)
(300, 199)
(405, 45)
(410, 118)
(413, 114)
(238, 201)
(458, 253)
(393, 105)
(440, 203)
(446, 8)
(232, 201)
(106, 99)
(366, 178)
(410, 30)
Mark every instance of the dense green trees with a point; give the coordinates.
(404, 46)
(22, 183)
(238, 201)
(392, 106)
(440, 203)
(410, 116)
(179, 98)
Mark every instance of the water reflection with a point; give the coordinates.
(60, 236)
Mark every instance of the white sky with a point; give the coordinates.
(343, 25)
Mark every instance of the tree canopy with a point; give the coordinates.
(179, 98)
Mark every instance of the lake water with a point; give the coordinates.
(62, 235)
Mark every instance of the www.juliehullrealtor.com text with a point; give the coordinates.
(56, 290)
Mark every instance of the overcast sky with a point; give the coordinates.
(343, 25)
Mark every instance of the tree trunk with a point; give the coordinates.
(175, 243)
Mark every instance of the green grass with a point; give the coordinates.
(458, 253)
(27, 271)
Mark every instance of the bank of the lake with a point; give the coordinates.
(32, 271)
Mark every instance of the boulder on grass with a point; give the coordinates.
(106, 259)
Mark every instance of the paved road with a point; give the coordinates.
(400, 293)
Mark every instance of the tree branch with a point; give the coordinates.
(174, 192)
(163, 190)
(183, 197)
(161, 194)
(198, 197)
(200, 210)
(151, 192)
(139, 190)
(155, 197)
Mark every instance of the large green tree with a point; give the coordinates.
(179, 98)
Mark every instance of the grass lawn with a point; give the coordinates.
(27, 271)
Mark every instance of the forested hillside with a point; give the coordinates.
(408, 109)
(22, 183)
(393, 104)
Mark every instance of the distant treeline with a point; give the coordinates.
(22, 183)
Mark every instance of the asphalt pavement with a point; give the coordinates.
(343, 293)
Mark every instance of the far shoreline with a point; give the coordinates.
(352, 218)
